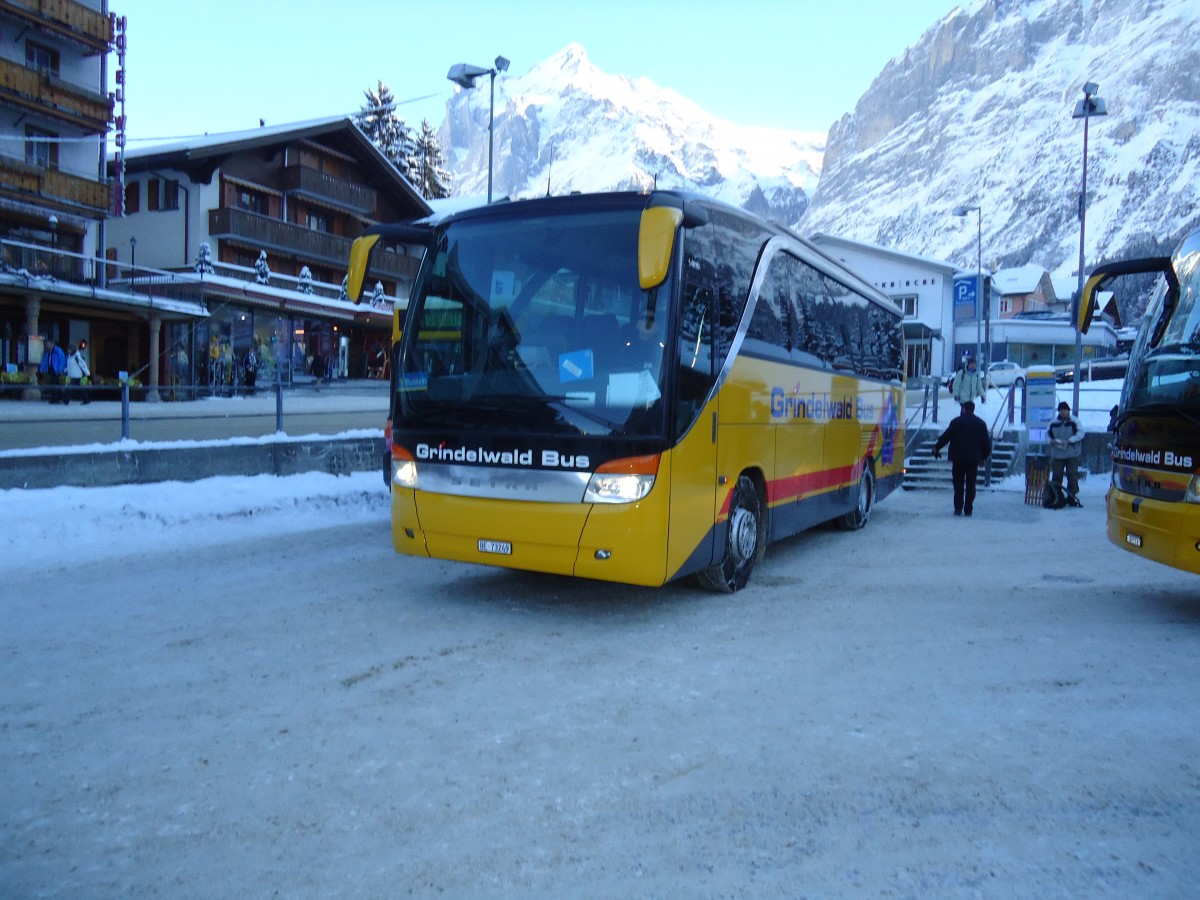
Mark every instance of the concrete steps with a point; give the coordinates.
(923, 471)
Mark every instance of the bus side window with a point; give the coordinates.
(695, 354)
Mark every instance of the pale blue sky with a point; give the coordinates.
(223, 64)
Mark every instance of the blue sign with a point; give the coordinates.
(965, 305)
(575, 366)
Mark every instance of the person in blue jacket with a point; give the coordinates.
(54, 366)
(970, 444)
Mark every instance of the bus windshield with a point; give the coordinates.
(536, 324)
(1166, 373)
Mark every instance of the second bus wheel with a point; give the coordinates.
(745, 540)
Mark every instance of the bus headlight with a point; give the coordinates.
(622, 480)
(1192, 494)
(404, 468)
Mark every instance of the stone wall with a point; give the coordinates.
(143, 466)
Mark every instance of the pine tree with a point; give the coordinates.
(431, 176)
(204, 264)
(262, 271)
(305, 284)
(385, 129)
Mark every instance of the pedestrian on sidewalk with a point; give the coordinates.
(77, 372)
(1066, 446)
(968, 383)
(318, 370)
(970, 444)
(53, 366)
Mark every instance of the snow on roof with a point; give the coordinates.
(201, 142)
(1020, 279)
(822, 238)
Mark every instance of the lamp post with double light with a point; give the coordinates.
(1089, 106)
(464, 76)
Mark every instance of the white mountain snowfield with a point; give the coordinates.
(567, 126)
(978, 110)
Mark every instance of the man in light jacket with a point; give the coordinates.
(969, 384)
(77, 370)
(1066, 446)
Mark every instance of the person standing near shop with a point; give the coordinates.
(77, 371)
(1066, 446)
(970, 445)
(53, 366)
(250, 366)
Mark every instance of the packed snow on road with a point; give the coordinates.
(235, 687)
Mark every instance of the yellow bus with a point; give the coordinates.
(1154, 501)
(633, 387)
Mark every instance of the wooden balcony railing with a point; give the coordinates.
(43, 93)
(21, 181)
(308, 182)
(265, 233)
(67, 18)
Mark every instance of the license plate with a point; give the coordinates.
(1132, 539)
(504, 548)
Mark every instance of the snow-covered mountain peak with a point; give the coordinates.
(566, 125)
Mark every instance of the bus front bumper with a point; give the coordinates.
(1165, 532)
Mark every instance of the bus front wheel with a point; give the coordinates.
(858, 516)
(745, 539)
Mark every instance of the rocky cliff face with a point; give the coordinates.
(567, 126)
(979, 112)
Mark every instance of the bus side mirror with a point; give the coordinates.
(360, 257)
(656, 240)
(1102, 275)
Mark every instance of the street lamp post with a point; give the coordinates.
(985, 357)
(1089, 106)
(464, 76)
(53, 221)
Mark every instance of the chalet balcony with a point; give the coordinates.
(52, 188)
(305, 181)
(44, 93)
(66, 18)
(264, 233)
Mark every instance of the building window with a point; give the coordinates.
(908, 303)
(162, 194)
(44, 59)
(318, 221)
(1005, 306)
(133, 197)
(253, 201)
(41, 148)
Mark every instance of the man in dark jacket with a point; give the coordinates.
(970, 445)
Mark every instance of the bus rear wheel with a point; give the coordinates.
(745, 537)
(858, 516)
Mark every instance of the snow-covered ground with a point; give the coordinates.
(235, 688)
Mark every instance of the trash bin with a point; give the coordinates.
(1037, 472)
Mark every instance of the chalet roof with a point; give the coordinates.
(827, 240)
(1019, 279)
(202, 155)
